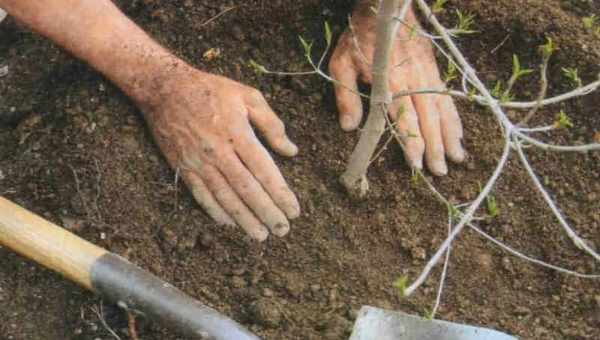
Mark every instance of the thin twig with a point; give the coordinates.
(579, 242)
(438, 298)
(463, 221)
(218, 15)
(100, 313)
(355, 42)
(543, 90)
(531, 259)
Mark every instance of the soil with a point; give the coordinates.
(76, 151)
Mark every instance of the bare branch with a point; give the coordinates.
(354, 178)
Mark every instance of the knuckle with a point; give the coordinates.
(256, 95)
(277, 127)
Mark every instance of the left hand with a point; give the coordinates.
(429, 124)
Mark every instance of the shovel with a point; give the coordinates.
(379, 324)
(111, 276)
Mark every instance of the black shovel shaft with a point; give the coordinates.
(137, 290)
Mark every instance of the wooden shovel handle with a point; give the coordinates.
(47, 244)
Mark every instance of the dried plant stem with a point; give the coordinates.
(354, 178)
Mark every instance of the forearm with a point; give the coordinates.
(99, 33)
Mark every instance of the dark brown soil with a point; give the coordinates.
(81, 157)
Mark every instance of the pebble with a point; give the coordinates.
(206, 240)
(485, 261)
(266, 312)
(418, 253)
(71, 224)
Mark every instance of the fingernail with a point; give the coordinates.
(260, 235)
(288, 148)
(416, 164)
(457, 155)
(280, 229)
(293, 210)
(348, 122)
(439, 168)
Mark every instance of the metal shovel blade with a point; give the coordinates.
(378, 324)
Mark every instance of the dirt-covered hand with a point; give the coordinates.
(428, 124)
(203, 128)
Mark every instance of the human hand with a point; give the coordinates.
(428, 124)
(203, 128)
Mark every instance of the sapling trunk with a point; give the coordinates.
(354, 178)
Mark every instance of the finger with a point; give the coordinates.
(205, 198)
(261, 164)
(429, 121)
(232, 203)
(349, 103)
(263, 117)
(404, 114)
(253, 194)
(407, 125)
(452, 130)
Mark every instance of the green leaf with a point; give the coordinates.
(258, 68)
(465, 23)
(307, 46)
(517, 71)
(563, 121)
(573, 75)
(401, 284)
(492, 206)
(590, 22)
(516, 64)
(438, 6)
(548, 48)
(328, 33)
(497, 90)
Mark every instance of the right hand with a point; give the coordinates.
(203, 128)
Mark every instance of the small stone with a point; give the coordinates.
(267, 292)
(485, 261)
(266, 312)
(418, 253)
(3, 69)
(522, 311)
(71, 224)
(186, 244)
(507, 265)
(380, 218)
(315, 287)
(238, 271)
(237, 32)
(206, 240)
(169, 237)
